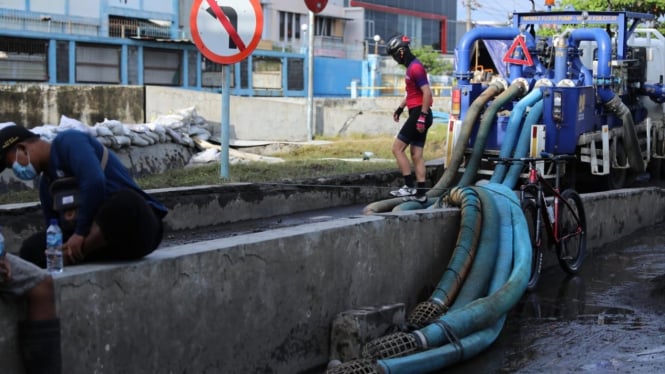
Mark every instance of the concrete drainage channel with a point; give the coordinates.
(264, 301)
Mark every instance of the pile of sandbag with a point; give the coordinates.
(184, 127)
(179, 127)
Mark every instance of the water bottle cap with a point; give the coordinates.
(53, 221)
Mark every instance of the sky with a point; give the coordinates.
(497, 10)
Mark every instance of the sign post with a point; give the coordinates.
(310, 76)
(314, 6)
(226, 32)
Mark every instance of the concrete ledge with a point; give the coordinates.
(196, 207)
(243, 304)
(265, 301)
(611, 215)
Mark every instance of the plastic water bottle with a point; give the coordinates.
(2, 245)
(54, 247)
(2, 255)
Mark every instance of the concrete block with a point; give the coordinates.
(352, 329)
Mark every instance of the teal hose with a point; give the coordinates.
(382, 205)
(513, 132)
(486, 314)
(477, 281)
(434, 360)
(470, 119)
(479, 285)
(414, 205)
(481, 313)
(522, 148)
(516, 89)
(465, 247)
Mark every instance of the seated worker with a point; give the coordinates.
(39, 334)
(114, 219)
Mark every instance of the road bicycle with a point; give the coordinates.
(554, 218)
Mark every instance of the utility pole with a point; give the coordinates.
(470, 5)
(468, 15)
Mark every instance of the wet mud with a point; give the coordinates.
(610, 318)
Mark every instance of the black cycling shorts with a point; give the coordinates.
(409, 134)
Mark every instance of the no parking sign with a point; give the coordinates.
(226, 31)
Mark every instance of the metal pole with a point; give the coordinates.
(310, 76)
(226, 118)
(468, 15)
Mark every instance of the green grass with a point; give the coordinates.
(257, 172)
(300, 162)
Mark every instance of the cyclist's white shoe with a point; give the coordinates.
(418, 198)
(404, 191)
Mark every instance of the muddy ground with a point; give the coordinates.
(609, 319)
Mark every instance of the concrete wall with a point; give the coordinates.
(284, 119)
(251, 118)
(264, 302)
(36, 105)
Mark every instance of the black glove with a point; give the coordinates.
(397, 113)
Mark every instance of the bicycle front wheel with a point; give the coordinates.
(571, 230)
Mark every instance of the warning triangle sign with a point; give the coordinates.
(513, 57)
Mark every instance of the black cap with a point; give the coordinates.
(10, 136)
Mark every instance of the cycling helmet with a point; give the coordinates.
(396, 43)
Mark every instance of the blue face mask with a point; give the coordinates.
(25, 173)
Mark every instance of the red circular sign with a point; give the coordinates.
(226, 33)
(316, 5)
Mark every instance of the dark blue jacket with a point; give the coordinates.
(78, 154)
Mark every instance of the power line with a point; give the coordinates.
(496, 9)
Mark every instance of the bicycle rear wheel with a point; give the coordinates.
(571, 246)
(530, 211)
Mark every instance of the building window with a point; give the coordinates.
(212, 74)
(193, 59)
(124, 27)
(323, 26)
(411, 26)
(162, 67)
(289, 26)
(62, 61)
(267, 72)
(97, 64)
(296, 76)
(132, 65)
(23, 59)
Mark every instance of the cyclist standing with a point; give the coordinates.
(413, 134)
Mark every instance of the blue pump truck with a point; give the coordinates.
(568, 82)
